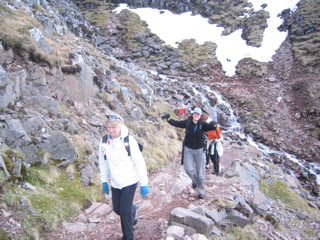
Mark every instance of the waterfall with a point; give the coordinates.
(223, 108)
(221, 112)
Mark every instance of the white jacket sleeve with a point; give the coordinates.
(103, 163)
(138, 161)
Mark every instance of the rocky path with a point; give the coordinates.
(169, 188)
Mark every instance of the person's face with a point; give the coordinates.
(205, 116)
(113, 130)
(196, 116)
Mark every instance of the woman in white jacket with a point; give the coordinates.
(125, 170)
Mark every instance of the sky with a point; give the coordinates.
(173, 28)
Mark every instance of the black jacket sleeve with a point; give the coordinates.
(208, 127)
(179, 124)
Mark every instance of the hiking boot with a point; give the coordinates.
(201, 196)
(194, 185)
(217, 173)
(135, 214)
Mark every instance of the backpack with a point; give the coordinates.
(126, 143)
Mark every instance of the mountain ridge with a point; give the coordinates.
(59, 80)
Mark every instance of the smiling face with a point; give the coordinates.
(196, 117)
(114, 124)
(113, 130)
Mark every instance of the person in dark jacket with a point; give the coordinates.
(193, 149)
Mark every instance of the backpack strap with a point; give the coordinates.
(126, 144)
(105, 138)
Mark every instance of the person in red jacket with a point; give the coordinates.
(214, 136)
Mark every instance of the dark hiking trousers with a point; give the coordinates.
(122, 200)
(215, 159)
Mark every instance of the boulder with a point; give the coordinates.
(191, 219)
(60, 149)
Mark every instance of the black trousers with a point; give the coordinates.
(214, 159)
(122, 200)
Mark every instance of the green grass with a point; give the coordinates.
(4, 236)
(195, 54)
(282, 193)
(98, 17)
(54, 191)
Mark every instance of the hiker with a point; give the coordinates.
(193, 147)
(213, 137)
(124, 170)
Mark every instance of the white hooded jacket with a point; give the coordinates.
(116, 165)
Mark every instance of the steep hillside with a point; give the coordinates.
(63, 69)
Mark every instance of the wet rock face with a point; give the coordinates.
(303, 33)
(229, 15)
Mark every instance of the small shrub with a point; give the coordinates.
(73, 69)
(84, 148)
(98, 17)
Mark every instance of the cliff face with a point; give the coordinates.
(62, 70)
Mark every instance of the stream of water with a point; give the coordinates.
(223, 110)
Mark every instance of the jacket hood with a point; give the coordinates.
(124, 131)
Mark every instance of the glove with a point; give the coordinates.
(144, 190)
(105, 187)
(166, 116)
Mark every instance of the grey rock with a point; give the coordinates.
(87, 175)
(37, 35)
(176, 232)
(35, 126)
(11, 85)
(202, 224)
(238, 218)
(2, 73)
(216, 215)
(6, 56)
(145, 53)
(260, 203)
(302, 215)
(17, 165)
(187, 230)
(243, 207)
(30, 154)
(3, 168)
(14, 134)
(29, 186)
(60, 149)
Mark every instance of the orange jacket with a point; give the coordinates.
(214, 134)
